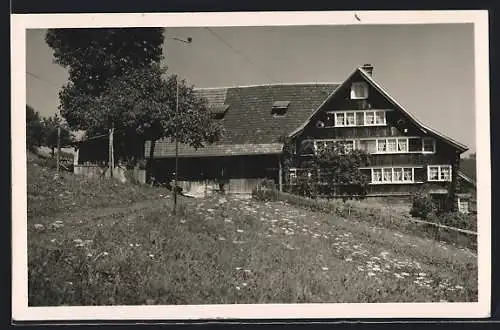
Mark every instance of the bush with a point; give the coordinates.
(423, 206)
(265, 191)
(456, 220)
(305, 187)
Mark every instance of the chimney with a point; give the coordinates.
(368, 68)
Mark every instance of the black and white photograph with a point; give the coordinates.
(272, 165)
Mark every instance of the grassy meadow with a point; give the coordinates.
(96, 242)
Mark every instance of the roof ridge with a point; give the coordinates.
(270, 84)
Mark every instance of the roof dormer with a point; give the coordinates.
(279, 108)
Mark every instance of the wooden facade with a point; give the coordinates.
(397, 145)
(258, 119)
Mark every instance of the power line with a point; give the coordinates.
(41, 79)
(239, 53)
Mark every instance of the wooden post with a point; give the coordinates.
(280, 175)
(111, 159)
(58, 156)
(75, 159)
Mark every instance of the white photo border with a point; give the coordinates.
(20, 310)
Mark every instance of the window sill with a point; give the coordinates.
(343, 126)
(439, 180)
(400, 152)
(399, 182)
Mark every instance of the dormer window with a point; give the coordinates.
(218, 110)
(359, 90)
(279, 108)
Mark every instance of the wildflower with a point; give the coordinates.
(247, 271)
(459, 287)
(371, 274)
(182, 221)
(239, 230)
(132, 245)
(152, 255)
(243, 284)
(105, 253)
(89, 255)
(221, 238)
(58, 222)
(137, 244)
(360, 268)
(238, 288)
(38, 226)
(348, 259)
(398, 275)
(53, 240)
(405, 274)
(324, 268)
(78, 241)
(238, 268)
(422, 274)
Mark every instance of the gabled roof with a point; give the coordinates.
(426, 129)
(248, 119)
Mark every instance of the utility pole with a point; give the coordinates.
(176, 142)
(188, 40)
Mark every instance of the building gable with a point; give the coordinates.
(362, 93)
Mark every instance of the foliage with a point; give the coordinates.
(333, 171)
(116, 81)
(456, 220)
(95, 55)
(50, 126)
(306, 184)
(423, 205)
(225, 251)
(34, 128)
(265, 191)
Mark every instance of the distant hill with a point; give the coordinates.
(468, 167)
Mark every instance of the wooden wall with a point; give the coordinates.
(397, 125)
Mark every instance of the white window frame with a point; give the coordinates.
(439, 173)
(386, 140)
(355, 123)
(383, 170)
(359, 86)
(433, 145)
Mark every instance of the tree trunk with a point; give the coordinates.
(149, 164)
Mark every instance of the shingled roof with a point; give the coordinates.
(250, 127)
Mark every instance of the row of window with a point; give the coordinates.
(387, 175)
(355, 118)
(385, 145)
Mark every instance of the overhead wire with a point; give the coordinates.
(240, 53)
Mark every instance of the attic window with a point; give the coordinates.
(280, 107)
(218, 110)
(359, 90)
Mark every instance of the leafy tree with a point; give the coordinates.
(116, 82)
(94, 59)
(339, 170)
(34, 128)
(50, 126)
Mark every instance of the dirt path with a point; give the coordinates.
(97, 213)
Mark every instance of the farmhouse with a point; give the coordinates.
(404, 154)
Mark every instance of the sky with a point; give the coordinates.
(429, 69)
